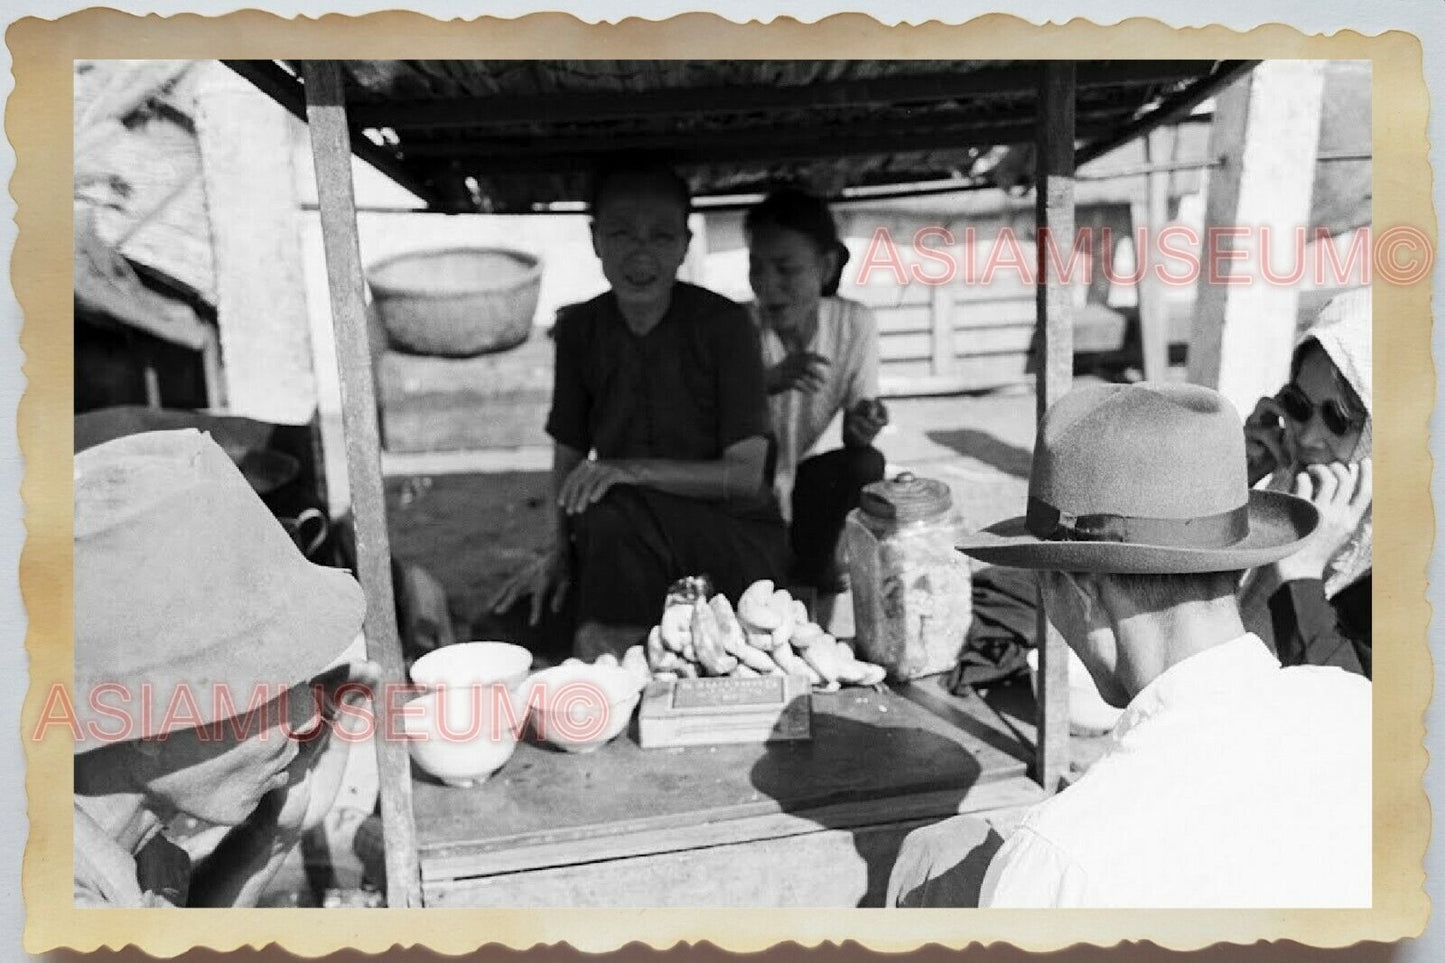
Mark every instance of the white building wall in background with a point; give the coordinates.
(261, 308)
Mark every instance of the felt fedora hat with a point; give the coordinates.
(186, 587)
(1146, 478)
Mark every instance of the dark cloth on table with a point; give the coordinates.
(1004, 627)
(1302, 627)
(636, 542)
(825, 490)
(687, 390)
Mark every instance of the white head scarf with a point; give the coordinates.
(1343, 328)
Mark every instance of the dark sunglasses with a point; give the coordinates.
(1298, 406)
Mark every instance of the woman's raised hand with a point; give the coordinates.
(1264, 443)
(803, 371)
(1342, 493)
(863, 422)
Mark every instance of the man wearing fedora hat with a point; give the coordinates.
(199, 627)
(1229, 781)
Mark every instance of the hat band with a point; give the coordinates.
(1208, 531)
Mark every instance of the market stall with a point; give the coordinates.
(783, 823)
(704, 824)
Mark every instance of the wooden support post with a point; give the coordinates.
(331, 152)
(211, 372)
(1265, 137)
(1055, 218)
(1153, 308)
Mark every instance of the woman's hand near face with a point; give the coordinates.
(803, 371)
(1342, 493)
(1264, 440)
(863, 422)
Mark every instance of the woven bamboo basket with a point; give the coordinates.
(457, 302)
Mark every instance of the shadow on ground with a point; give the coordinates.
(984, 447)
(472, 532)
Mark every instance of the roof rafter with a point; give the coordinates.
(1172, 109)
(577, 106)
(764, 146)
(740, 142)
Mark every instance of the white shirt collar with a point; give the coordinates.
(1220, 668)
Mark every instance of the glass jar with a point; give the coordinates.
(912, 590)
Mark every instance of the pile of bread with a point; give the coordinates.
(769, 633)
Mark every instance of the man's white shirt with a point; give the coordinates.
(1230, 782)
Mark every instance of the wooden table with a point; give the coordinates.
(785, 824)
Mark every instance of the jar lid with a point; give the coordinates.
(906, 498)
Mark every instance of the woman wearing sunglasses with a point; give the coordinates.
(1312, 439)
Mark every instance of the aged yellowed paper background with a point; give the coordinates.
(38, 122)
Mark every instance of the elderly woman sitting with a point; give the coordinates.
(199, 631)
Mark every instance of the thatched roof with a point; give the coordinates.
(513, 136)
(137, 167)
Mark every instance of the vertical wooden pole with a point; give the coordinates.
(331, 153)
(1153, 308)
(1265, 137)
(1055, 218)
(211, 371)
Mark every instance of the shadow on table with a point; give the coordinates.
(853, 776)
(943, 865)
(1009, 459)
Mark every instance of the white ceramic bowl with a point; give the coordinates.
(580, 707)
(1089, 714)
(473, 663)
(460, 736)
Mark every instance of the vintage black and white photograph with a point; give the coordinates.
(724, 483)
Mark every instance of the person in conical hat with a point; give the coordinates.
(1230, 780)
(199, 631)
(1313, 438)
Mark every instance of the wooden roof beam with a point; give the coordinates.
(566, 107)
(288, 91)
(760, 143)
(1171, 110)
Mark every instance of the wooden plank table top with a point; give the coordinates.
(874, 757)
